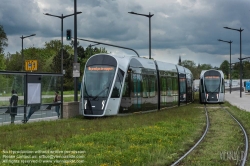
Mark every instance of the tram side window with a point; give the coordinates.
(175, 85)
(145, 86)
(163, 86)
(126, 89)
(152, 86)
(148, 85)
(222, 86)
(182, 85)
(136, 84)
(169, 86)
(118, 84)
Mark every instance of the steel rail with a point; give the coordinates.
(243, 161)
(197, 143)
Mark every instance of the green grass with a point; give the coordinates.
(141, 139)
(244, 118)
(224, 135)
(157, 138)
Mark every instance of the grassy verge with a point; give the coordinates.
(223, 138)
(244, 118)
(143, 139)
(157, 138)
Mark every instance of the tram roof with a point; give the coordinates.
(166, 66)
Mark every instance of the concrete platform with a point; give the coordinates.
(234, 99)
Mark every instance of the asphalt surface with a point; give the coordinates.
(242, 102)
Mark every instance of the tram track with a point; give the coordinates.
(198, 142)
(243, 159)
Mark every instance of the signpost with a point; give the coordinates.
(30, 65)
(76, 69)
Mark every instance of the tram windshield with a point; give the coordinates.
(212, 83)
(98, 80)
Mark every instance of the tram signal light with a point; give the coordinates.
(68, 34)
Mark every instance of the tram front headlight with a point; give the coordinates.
(103, 103)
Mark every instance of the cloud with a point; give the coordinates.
(189, 28)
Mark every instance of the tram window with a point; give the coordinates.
(222, 86)
(118, 84)
(126, 87)
(145, 86)
(212, 83)
(163, 86)
(182, 85)
(169, 86)
(136, 84)
(175, 84)
(101, 77)
(152, 89)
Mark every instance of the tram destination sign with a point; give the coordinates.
(30, 65)
(99, 68)
(212, 77)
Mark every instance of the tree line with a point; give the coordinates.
(225, 67)
(48, 57)
(49, 60)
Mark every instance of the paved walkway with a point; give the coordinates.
(234, 99)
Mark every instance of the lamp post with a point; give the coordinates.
(61, 17)
(239, 30)
(149, 16)
(23, 37)
(230, 42)
(243, 58)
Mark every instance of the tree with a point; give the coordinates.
(205, 67)
(246, 70)
(235, 71)
(2, 62)
(191, 66)
(3, 39)
(188, 64)
(53, 46)
(225, 68)
(13, 62)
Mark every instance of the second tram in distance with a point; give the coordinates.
(118, 85)
(212, 86)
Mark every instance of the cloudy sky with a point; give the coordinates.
(186, 28)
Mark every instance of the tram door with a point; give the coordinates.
(136, 91)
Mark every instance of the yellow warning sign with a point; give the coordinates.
(31, 65)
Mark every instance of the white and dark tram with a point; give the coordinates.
(118, 85)
(212, 86)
